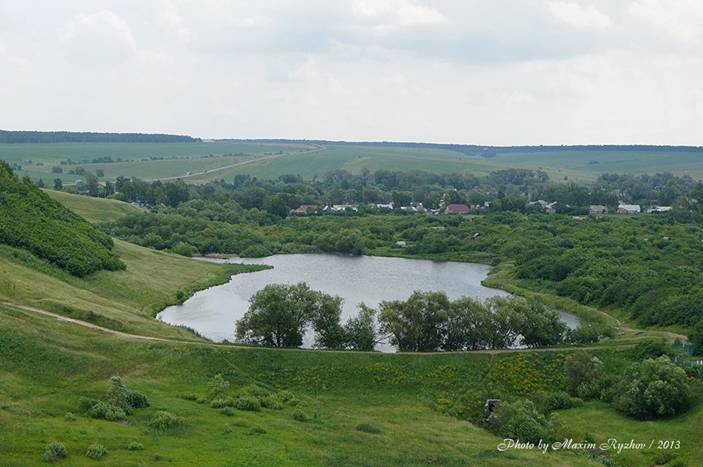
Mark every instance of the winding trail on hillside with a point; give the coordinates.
(125, 335)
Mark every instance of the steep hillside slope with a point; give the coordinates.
(29, 219)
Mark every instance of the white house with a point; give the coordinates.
(629, 208)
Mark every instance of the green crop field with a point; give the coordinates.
(143, 160)
(222, 160)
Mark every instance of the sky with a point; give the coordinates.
(494, 72)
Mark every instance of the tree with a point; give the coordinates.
(466, 325)
(506, 322)
(360, 331)
(325, 322)
(58, 184)
(91, 182)
(653, 388)
(278, 315)
(542, 327)
(100, 173)
(416, 324)
(584, 374)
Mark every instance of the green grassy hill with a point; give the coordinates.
(95, 210)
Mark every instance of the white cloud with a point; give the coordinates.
(681, 20)
(393, 13)
(578, 15)
(99, 38)
(473, 71)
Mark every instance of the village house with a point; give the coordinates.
(341, 207)
(456, 209)
(655, 209)
(629, 208)
(598, 209)
(401, 243)
(304, 209)
(551, 208)
(384, 206)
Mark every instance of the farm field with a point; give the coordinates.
(209, 161)
(143, 160)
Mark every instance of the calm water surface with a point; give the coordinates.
(362, 279)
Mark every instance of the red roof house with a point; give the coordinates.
(456, 209)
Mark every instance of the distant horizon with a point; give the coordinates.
(338, 141)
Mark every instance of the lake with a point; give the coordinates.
(360, 279)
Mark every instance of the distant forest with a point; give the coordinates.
(88, 137)
(486, 151)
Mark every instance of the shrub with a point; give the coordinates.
(650, 349)
(286, 397)
(96, 451)
(166, 421)
(189, 396)
(86, 403)
(227, 411)
(653, 388)
(247, 403)
(584, 375)
(270, 402)
(217, 387)
(220, 403)
(228, 429)
(69, 417)
(519, 420)
(255, 391)
(299, 416)
(54, 452)
(137, 400)
(368, 428)
(255, 251)
(548, 401)
(105, 411)
(135, 446)
(257, 430)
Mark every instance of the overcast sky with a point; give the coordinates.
(466, 71)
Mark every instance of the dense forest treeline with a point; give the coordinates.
(90, 137)
(31, 220)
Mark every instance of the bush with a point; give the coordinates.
(549, 401)
(189, 396)
(584, 374)
(654, 388)
(217, 387)
(255, 251)
(519, 420)
(247, 403)
(368, 428)
(105, 411)
(286, 397)
(135, 446)
(270, 402)
(650, 349)
(221, 403)
(227, 411)
(69, 417)
(54, 452)
(299, 416)
(86, 403)
(257, 430)
(96, 451)
(166, 421)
